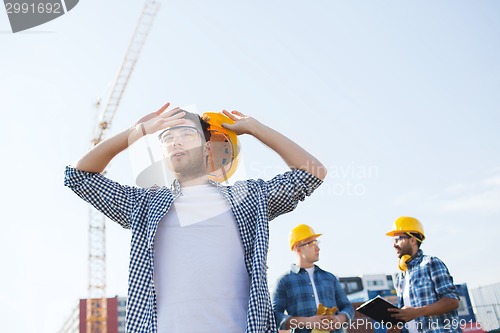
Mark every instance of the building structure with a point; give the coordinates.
(115, 319)
(486, 302)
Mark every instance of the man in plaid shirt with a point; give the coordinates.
(198, 249)
(426, 293)
(306, 287)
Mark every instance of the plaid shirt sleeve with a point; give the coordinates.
(110, 198)
(279, 304)
(286, 190)
(343, 304)
(254, 203)
(442, 279)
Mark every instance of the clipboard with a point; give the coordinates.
(376, 308)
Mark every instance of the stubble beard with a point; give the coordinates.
(190, 166)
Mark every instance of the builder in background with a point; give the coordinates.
(307, 288)
(426, 293)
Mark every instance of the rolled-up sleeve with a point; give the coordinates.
(344, 305)
(442, 279)
(286, 190)
(110, 198)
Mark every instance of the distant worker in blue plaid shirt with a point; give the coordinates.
(199, 248)
(426, 293)
(303, 297)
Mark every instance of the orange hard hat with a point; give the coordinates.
(224, 147)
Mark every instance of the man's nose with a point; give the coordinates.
(176, 140)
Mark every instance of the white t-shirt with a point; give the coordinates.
(201, 281)
(411, 325)
(310, 271)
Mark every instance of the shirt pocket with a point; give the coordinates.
(327, 296)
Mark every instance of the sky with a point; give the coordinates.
(399, 99)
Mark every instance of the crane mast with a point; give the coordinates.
(96, 302)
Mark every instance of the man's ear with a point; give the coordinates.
(414, 241)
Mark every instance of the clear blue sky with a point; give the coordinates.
(399, 99)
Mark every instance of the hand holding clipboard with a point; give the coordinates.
(377, 309)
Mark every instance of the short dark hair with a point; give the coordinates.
(201, 122)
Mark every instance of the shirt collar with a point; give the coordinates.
(416, 259)
(175, 187)
(296, 269)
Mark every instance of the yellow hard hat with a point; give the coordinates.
(299, 233)
(224, 147)
(407, 224)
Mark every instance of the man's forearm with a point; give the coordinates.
(98, 158)
(442, 306)
(294, 155)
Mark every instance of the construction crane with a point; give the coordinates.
(97, 302)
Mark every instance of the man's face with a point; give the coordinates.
(402, 243)
(309, 250)
(186, 150)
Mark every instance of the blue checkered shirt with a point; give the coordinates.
(430, 281)
(253, 203)
(294, 294)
